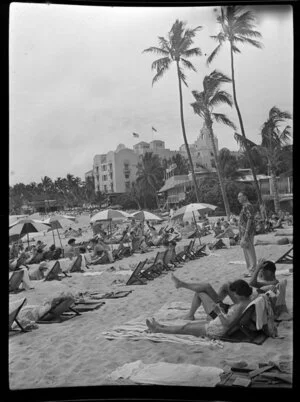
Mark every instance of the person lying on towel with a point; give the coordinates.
(221, 321)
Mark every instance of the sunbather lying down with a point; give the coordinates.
(221, 320)
(32, 313)
(282, 241)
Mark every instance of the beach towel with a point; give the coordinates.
(97, 273)
(162, 373)
(264, 315)
(170, 314)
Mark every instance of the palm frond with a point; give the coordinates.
(286, 134)
(157, 50)
(213, 54)
(192, 52)
(198, 109)
(158, 75)
(221, 97)
(164, 44)
(235, 49)
(242, 141)
(249, 33)
(219, 76)
(182, 77)
(222, 118)
(249, 41)
(188, 64)
(161, 63)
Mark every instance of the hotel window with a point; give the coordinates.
(111, 187)
(126, 175)
(110, 166)
(110, 176)
(105, 188)
(104, 177)
(97, 169)
(103, 159)
(103, 168)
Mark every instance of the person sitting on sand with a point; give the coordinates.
(172, 234)
(19, 265)
(170, 258)
(218, 325)
(217, 228)
(70, 249)
(99, 249)
(227, 233)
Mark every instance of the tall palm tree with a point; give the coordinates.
(238, 27)
(47, 186)
(150, 174)
(177, 48)
(206, 100)
(273, 142)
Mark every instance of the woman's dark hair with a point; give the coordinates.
(241, 288)
(166, 243)
(269, 266)
(82, 249)
(71, 241)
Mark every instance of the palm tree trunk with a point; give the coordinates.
(184, 136)
(218, 168)
(243, 131)
(275, 190)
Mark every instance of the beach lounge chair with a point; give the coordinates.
(54, 272)
(286, 258)
(60, 312)
(13, 317)
(156, 268)
(244, 329)
(135, 278)
(76, 266)
(183, 255)
(199, 252)
(88, 305)
(111, 295)
(15, 281)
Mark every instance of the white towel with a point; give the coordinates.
(163, 373)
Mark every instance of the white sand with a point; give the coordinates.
(72, 353)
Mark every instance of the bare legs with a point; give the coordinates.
(201, 291)
(196, 329)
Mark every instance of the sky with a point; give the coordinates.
(79, 84)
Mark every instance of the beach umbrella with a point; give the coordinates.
(190, 211)
(55, 222)
(109, 214)
(145, 216)
(25, 226)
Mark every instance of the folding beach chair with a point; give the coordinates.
(15, 281)
(54, 272)
(286, 258)
(13, 318)
(76, 266)
(244, 329)
(88, 305)
(183, 255)
(110, 295)
(156, 268)
(60, 312)
(199, 252)
(135, 278)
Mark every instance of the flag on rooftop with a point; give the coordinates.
(135, 135)
(154, 129)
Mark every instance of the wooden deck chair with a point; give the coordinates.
(286, 258)
(76, 266)
(60, 312)
(135, 278)
(15, 281)
(244, 329)
(182, 255)
(13, 318)
(54, 272)
(200, 251)
(156, 268)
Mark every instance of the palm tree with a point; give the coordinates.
(273, 140)
(205, 101)
(47, 186)
(177, 47)
(237, 27)
(228, 163)
(272, 145)
(150, 174)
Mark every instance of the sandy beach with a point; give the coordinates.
(75, 353)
